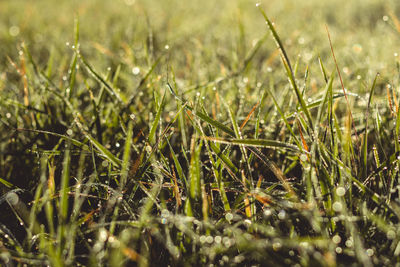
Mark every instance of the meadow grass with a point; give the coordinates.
(220, 133)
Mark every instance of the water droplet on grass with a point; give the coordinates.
(229, 216)
(277, 245)
(12, 198)
(340, 191)
(135, 70)
(102, 235)
(202, 239)
(267, 212)
(282, 215)
(391, 234)
(337, 206)
(370, 252)
(336, 239)
(349, 243)
(14, 30)
(303, 157)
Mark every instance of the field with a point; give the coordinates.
(199, 133)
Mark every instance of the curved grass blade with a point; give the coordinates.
(104, 151)
(287, 65)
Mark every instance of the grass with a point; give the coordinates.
(167, 133)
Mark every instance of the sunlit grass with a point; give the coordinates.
(170, 133)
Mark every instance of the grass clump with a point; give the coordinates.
(185, 136)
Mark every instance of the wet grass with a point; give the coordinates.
(229, 133)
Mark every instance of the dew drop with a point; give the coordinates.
(277, 245)
(303, 157)
(336, 239)
(267, 212)
(391, 235)
(229, 216)
(340, 191)
(135, 70)
(370, 252)
(337, 206)
(12, 198)
(102, 235)
(349, 243)
(104, 163)
(202, 239)
(282, 215)
(14, 30)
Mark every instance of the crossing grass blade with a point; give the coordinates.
(273, 144)
(104, 152)
(109, 89)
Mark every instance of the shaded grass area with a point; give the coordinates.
(160, 133)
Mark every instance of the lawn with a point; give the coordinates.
(199, 133)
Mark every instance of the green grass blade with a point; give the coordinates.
(104, 151)
(364, 148)
(287, 65)
(257, 143)
(195, 179)
(156, 121)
